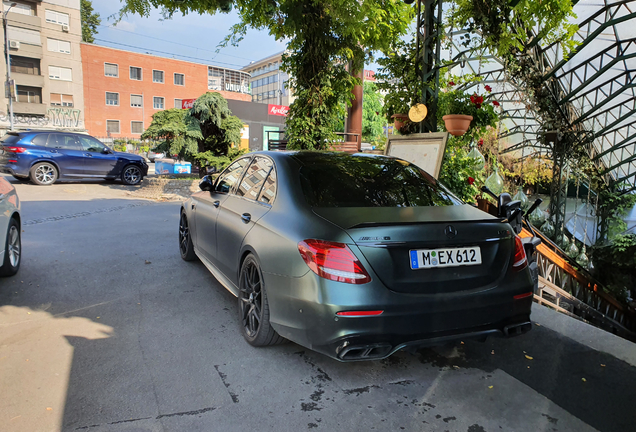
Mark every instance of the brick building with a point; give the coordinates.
(123, 89)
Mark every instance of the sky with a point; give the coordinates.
(191, 37)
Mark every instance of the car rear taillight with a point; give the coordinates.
(520, 260)
(14, 149)
(333, 261)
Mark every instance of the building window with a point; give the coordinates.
(60, 46)
(179, 79)
(112, 126)
(111, 70)
(60, 73)
(31, 37)
(25, 65)
(112, 98)
(178, 103)
(157, 76)
(58, 99)
(29, 94)
(158, 102)
(56, 17)
(20, 8)
(135, 73)
(136, 101)
(137, 127)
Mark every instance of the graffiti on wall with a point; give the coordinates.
(55, 117)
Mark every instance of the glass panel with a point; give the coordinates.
(254, 178)
(157, 102)
(56, 99)
(90, 144)
(343, 181)
(136, 101)
(269, 189)
(112, 126)
(179, 79)
(112, 98)
(231, 175)
(25, 65)
(135, 73)
(137, 127)
(177, 103)
(157, 76)
(111, 70)
(40, 140)
(62, 141)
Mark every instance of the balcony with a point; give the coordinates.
(22, 108)
(24, 21)
(29, 80)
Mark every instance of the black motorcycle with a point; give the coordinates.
(514, 215)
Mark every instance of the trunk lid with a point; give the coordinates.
(387, 235)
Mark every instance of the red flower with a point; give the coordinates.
(471, 181)
(495, 103)
(451, 83)
(472, 98)
(481, 142)
(488, 88)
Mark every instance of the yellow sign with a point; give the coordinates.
(418, 112)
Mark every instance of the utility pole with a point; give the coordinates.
(8, 84)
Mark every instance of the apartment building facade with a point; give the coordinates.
(124, 89)
(45, 63)
(269, 84)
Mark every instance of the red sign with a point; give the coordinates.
(279, 110)
(187, 103)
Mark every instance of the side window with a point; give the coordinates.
(40, 140)
(231, 175)
(254, 178)
(61, 141)
(90, 144)
(269, 188)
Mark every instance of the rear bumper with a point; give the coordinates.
(304, 310)
(14, 169)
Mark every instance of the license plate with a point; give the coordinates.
(452, 257)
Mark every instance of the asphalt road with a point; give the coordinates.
(105, 328)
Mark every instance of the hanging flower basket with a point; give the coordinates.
(457, 124)
(399, 120)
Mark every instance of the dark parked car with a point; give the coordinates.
(46, 156)
(354, 256)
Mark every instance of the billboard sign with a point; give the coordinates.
(187, 103)
(279, 110)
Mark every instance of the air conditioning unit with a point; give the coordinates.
(65, 27)
(14, 44)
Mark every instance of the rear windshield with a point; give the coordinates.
(361, 181)
(10, 139)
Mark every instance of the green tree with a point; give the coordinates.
(372, 119)
(90, 21)
(324, 37)
(212, 124)
(169, 127)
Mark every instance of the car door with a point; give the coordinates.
(238, 214)
(206, 208)
(66, 152)
(99, 160)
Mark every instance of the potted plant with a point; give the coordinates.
(459, 109)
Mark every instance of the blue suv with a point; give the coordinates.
(46, 156)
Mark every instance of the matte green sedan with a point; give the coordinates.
(354, 256)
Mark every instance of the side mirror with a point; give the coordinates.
(107, 150)
(206, 184)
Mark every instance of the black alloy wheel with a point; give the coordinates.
(185, 240)
(253, 306)
(131, 175)
(12, 250)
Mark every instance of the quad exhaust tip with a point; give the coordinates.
(517, 329)
(363, 352)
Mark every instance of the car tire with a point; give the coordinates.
(131, 175)
(186, 248)
(43, 174)
(12, 250)
(253, 306)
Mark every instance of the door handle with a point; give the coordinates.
(216, 203)
(53, 151)
(246, 217)
(88, 155)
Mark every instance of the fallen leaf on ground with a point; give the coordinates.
(490, 387)
(492, 352)
(602, 365)
(529, 358)
(148, 262)
(583, 379)
(49, 409)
